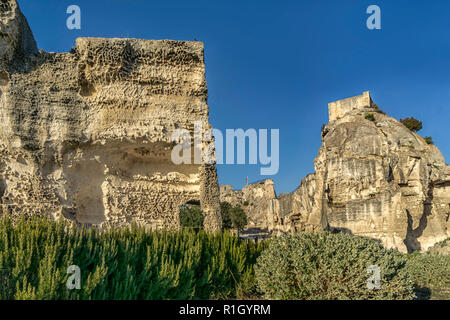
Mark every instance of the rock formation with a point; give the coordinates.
(255, 199)
(87, 135)
(373, 177)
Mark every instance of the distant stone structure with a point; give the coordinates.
(86, 135)
(338, 109)
(372, 178)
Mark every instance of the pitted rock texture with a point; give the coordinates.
(87, 135)
(372, 178)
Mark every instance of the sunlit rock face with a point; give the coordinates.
(372, 178)
(381, 180)
(87, 135)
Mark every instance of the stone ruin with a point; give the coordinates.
(372, 178)
(86, 135)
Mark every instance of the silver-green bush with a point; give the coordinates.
(429, 271)
(330, 266)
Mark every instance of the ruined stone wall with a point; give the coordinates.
(87, 134)
(338, 109)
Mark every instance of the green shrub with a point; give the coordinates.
(226, 208)
(443, 243)
(330, 266)
(412, 124)
(191, 216)
(370, 117)
(238, 218)
(128, 263)
(233, 217)
(429, 270)
(429, 140)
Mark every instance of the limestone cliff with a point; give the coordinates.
(372, 178)
(87, 135)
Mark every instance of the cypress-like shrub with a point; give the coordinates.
(330, 266)
(128, 263)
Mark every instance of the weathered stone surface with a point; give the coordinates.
(87, 134)
(372, 178)
(16, 38)
(254, 199)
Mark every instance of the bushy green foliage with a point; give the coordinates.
(412, 124)
(429, 140)
(429, 270)
(238, 218)
(129, 263)
(370, 117)
(226, 208)
(330, 266)
(233, 217)
(191, 216)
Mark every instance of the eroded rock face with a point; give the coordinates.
(88, 135)
(16, 38)
(373, 178)
(381, 180)
(254, 199)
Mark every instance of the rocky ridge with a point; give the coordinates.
(373, 177)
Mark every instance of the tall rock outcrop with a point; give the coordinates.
(379, 179)
(87, 135)
(373, 177)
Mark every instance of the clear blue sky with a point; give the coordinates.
(276, 64)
